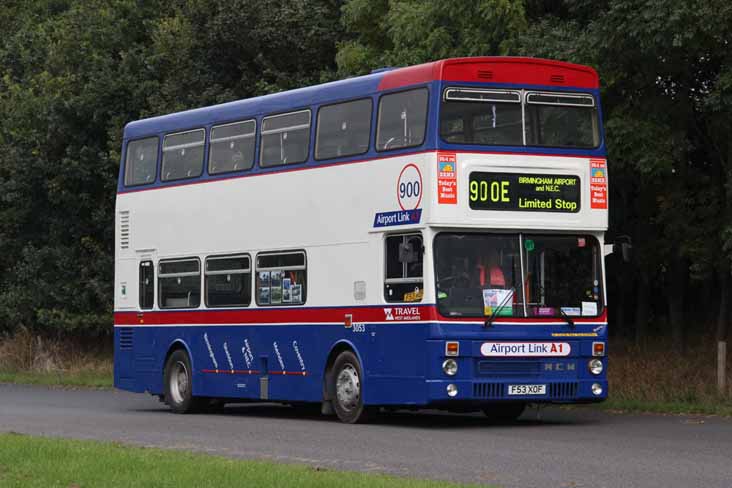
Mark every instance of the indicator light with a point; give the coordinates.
(452, 348)
(598, 348)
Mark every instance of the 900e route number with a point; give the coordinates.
(527, 389)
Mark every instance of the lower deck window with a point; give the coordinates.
(146, 285)
(179, 283)
(228, 281)
(403, 259)
(281, 278)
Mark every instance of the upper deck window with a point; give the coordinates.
(561, 120)
(285, 139)
(517, 118)
(344, 129)
(141, 162)
(231, 147)
(474, 116)
(183, 155)
(402, 120)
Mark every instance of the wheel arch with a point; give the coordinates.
(335, 350)
(175, 345)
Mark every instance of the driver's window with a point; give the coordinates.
(402, 119)
(403, 262)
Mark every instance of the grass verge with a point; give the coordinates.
(26, 358)
(721, 408)
(41, 462)
(86, 379)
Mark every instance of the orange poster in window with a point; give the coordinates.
(598, 183)
(446, 178)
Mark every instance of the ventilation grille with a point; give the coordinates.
(496, 391)
(485, 74)
(126, 337)
(557, 78)
(488, 390)
(124, 229)
(563, 391)
(509, 368)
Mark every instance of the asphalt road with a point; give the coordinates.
(564, 448)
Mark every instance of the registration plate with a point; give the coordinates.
(527, 389)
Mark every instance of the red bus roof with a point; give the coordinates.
(513, 70)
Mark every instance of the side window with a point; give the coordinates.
(183, 155)
(285, 139)
(228, 281)
(179, 283)
(147, 285)
(141, 162)
(281, 278)
(402, 120)
(403, 259)
(344, 129)
(231, 147)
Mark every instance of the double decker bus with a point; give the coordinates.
(419, 237)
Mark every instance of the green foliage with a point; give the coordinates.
(406, 32)
(72, 73)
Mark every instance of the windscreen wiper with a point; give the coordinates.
(566, 317)
(494, 314)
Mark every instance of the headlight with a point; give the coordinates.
(450, 367)
(595, 366)
(451, 390)
(596, 389)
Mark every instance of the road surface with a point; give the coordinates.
(569, 448)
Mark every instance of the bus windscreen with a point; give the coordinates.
(517, 275)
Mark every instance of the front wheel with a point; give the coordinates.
(347, 387)
(179, 384)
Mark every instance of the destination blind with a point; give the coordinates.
(524, 192)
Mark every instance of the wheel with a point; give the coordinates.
(347, 387)
(504, 412)
(179, 385)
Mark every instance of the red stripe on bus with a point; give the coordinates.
(252, 371)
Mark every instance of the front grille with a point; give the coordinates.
(497, 391)
(563, 391)
(509, 369)
(489, 390)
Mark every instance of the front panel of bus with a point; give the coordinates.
(516, 235)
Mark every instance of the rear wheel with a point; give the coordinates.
(504, 412)
(347, 387)
(179, 384)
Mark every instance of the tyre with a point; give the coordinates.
(347, 388)
(178, 379)
(504, 412)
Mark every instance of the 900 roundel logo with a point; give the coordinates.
(409, 187)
